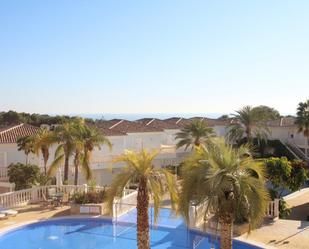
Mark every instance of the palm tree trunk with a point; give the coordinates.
(76, 175)
(142, 215)
(248, 132)
(66, 169)
(45, 154)
(226, 228)
(308, 146)
(76, 164)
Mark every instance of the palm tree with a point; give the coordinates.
(194, 134)
(151, 183)
(227, 181)
(64, 135)
(43, 140)
(249, 123)
(91, 138)
(302, 119)
(78, 131)
(26, 144)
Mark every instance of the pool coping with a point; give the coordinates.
(12, 227)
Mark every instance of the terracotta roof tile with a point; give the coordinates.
(12, 133)
(133, 127)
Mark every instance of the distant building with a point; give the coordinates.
(147, 133)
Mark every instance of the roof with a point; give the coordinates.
(282, 122)
(133, 127)
(120, 127)
(12, 133)
(158, 124)
(104, 126)
(178, 123)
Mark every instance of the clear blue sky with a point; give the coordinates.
(167, 56)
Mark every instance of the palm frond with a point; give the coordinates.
(55, 165)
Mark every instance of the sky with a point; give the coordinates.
(156, 56)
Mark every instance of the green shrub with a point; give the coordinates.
(284, 210)
(23, 175)
(89, 197)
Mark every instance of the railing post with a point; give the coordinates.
(34, 195)
(276, 208)
(192, 216)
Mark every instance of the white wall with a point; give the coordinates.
(289, 134)
(12, 155)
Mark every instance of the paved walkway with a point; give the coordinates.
(299, 204)
(287, 234)
(34, 212)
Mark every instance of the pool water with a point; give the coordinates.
(96, 233)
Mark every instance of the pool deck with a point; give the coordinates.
(299, 204)
(285, 234)
(292, 234)
(34, 213)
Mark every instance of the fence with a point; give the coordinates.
(35, 194)
(197, 212)
(125, 204)
(273, 209)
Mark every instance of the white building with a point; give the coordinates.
(127, 135)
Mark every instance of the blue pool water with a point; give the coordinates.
(95, 233)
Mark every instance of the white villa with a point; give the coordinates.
(144, 133)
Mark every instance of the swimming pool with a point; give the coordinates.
(98, 233)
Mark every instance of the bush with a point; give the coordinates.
(23, 175)
(284, 210)
(285, 175)
(89, 197)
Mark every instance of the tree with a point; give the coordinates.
(249, 122)
(225, 180)
(302, 119)
(278, 172)
(194, 134)
(91, 138)
(76, 140)
(284, 175)
(23, 175)
(299, 175)
(266, 113)
(151, 183)
(43, 140)
(64, 135)
(26, 144)
(11, 118)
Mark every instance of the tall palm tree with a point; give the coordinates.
(26, 144)
(194, 134)
(302, 119)
(225, 180)
(64, 135)
(78, 132)
(91, 138)
(43, 140)
(151, 183)
(248, 123)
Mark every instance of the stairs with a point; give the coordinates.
(299, 154)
